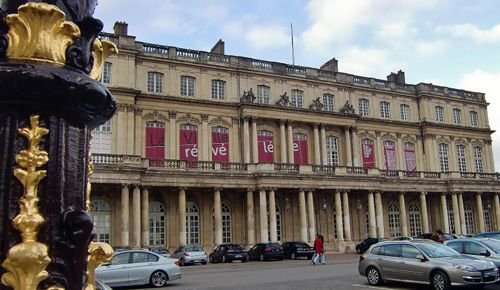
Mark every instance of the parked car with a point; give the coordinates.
(424, 262)
(99, 285)
(403, 238)
(428, 236)
(228, 253)
(191, 254)
(484, 248)
(365, 244)
(161, 251)
(266, 251)
(138, 267)
(492, 235)
(294, 250)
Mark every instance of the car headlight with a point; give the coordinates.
(465, 268)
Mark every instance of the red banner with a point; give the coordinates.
(155, 143)
(411, 159)
(220, 146)
(300, 149)
(390, 156)
(188, 144)
(368, 155)
(266, 149)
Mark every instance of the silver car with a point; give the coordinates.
(190, 254)
(483, 248)
(138, 267)
(424, 262)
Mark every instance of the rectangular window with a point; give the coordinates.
(390, 155)
(328, 102)
(405, 112)
(410, 157)
(220, 144)
(263, 94)
(188, 142)
(297, 98)
(439, 114)
(155, 82)
(368, 153)
(457, 116)
(478, 159)
(300, 148)
(385, 110)
(218, 88)
(332, 151)
(462, 165)
(443, 157)
(473, 119)
(155, 140)
(266, 146)
(187, 86)
(363, 107)
(101, 139)
(106, 73)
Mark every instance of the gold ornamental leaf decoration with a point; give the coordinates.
(40, 32)
(102, 49)
(99, 253)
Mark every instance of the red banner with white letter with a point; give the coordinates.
(188, 144)
(411, 160)
(220, 146)
(155, 143)
(266, 149)
(390, 156)
(300, 149)
(368, 153)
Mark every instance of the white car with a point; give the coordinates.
(138, 267)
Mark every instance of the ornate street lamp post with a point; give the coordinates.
(50, 100)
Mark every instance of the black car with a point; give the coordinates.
(365, 244)
(294, 250)
(228, 253)
(266, 251)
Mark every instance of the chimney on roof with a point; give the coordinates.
(218, 47)
(120, 28)
(398, 78)
(331, 65)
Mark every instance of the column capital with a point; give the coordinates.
(138, 111)
(282, 122)
(183, 188)
(219, 189)
(254, 119)
(172, 114)
(250, 189)
(246, 118)
(316, 125)
(204, 117)
(123, 185)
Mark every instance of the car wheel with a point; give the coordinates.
(183, 263)
(204, 262)
(373, 276)
(210, 259)
(440, 281)
(244, 260)
(158, 279)
(261, 257)
(293, 256)
(309, 257)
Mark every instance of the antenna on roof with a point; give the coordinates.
(293, 50)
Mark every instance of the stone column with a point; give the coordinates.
(302, 216)
(488, 163)
(402, 212)
(255, 149)
(317, 154)
(456, 213)
(400, 155)
(310, 216)
(371, 215)
(347, 218)
(272, 217)
(125, 216)
(182, 217)
(462, 213)
(338, 217)
(217, 217)
(246, 141)
(497, 210)
(425, 215)
(263, 216)
(379, 215)
(136, 217)
(480, 211)
(355, 148)
(380, 153)
(444, 213)
(250, 218)
(290, 143)
(145, 217)
(452, 159)
(205, 152)
(173, 151)
(323, 145)
(420, 156)
(138, 125)
(283, 147)
(348, 153)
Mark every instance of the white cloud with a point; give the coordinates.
(270, 36)
(480, 81)
(471, 31)
(396, 34)
(432, 48)
(366, 62)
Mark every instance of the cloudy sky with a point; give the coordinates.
(454, 43)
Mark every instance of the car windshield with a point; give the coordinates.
(302, 245)
(194, 249)
(437, 250)
(235, 247)
(493, 244)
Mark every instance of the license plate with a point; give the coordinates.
(237, 256)
(197, 261)
(490, 274)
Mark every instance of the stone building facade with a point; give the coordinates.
(208, 148)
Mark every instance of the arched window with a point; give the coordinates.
(469, 218)
(192, 223)
(332, 150)
(385, 111)
(226, 223)
(451, 217)
(278, 222)
(100, 211)
(394, 220)
(443, 157)
(487, 218)
(157, 224)
(187, 85)
(415, 218)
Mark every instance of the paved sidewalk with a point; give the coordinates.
(339, 258)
